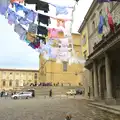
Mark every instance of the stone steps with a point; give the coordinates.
(108, 108)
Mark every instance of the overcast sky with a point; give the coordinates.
(15, 53)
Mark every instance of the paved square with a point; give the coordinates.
(50, 109)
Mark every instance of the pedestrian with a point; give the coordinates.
(6, 95)
(50, 93)
(2, 94)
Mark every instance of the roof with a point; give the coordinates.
(87, 15)
(20, 70)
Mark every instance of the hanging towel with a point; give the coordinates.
(39, 38)
(53, 33)
(4, 6)
(60, 22)
(23, 21)
(61, 10)
(19, 7)
(42, 6)
(20, 1)
(12, 17)
(31, 37)
(20, 30)
(43, 19)
(31, 1)
(42, 30)
(32, 45)
(30, 15)
(32, 28)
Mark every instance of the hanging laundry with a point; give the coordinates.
(42, 6)
(39, 38)
(31, 37)
(20, 1)
(20, 31)
(23, 21)
(4, 6)
(12, 17)
(32, 45)
(32, 28)
(53, 33)
(61, 22)
(43, 19)
(64, 42)
(27, 41)
(30, 1)
(19, 7)
(37, 43)
(54, 52)
(61, 10)
(30, 15)
(42, 30)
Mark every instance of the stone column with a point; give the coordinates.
(108, 77)
(91, 85)
(95, 81)
(109, 100)
(99, 80)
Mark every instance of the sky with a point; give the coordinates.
(16, 54)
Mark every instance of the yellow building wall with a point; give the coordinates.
(21, 78)
(84, 47)
(54, 71)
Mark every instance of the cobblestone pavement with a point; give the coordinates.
(50, 109)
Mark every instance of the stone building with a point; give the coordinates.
(103, 59)
(12, 78)
(63, 73)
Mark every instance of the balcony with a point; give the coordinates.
(110, 37)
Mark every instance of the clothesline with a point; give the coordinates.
(45, 14)
(53, 3)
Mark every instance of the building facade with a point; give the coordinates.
(12, 78)
(85, 53)
(62, 74)
(103, 60)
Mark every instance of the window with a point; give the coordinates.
(85, 54)
(17, 83)
(10, 73)
(93, 25)
(10, 83)
(4, 83)
(100, 13)
(84, 40)
(35, 76)
(64, 66)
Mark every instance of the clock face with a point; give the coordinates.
(84, 40)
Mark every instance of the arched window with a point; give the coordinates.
(10, 83)
(17, 83)
(4, 83)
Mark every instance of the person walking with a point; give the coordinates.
(6, 94)
(50, 93)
